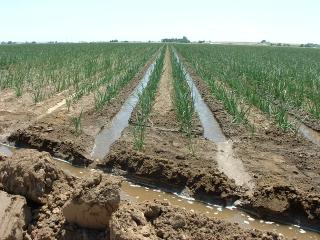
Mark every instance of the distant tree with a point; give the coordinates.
(114, 41)
(184, 39)
(263, 41)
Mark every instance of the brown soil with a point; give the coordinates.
(51, 193)
(179, 173)
(274, 158)
(31, 174)
(20, 112)
(72, 203)
(92, 204)
(14, 216)
(159, 220)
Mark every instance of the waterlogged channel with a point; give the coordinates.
(137, 193)
(307, 132)
(111, 133)
(232, 167)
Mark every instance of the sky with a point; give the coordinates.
(295, 21)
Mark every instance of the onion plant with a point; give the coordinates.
(145, 103)
(47, 69)
(183, 100)
(77, 123)
(276, 80)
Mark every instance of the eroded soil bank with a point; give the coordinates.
(65, 207)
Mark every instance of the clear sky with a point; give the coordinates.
(295, 21)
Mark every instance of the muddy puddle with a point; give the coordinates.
(307, 132)
(5, 150)
(111, 133)
(137, 193)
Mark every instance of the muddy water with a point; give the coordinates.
(5, 150)
(211, 127)
(137, 193)
(307, 132)
(231, 166)
(110, 134)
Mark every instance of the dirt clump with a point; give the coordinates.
(47, 188)
(14, 216)
(286, 202)
(31, 174)
(158, 220)
(172, 173)
(40, 137)
(93, 202)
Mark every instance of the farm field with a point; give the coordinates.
(220, 126)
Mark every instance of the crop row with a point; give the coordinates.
(272, 79)
(145, 103)
(183, 99)
(46, 69)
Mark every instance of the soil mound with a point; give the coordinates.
(93, 202)
(285, 202)
(177, 174)
(39, 137)
(31, 174)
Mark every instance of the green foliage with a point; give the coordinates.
(183, 99)
(47, 69)
(273, 79)
(77, 123)
(146, 99)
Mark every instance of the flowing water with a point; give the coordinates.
(307, 132)
(113, 132)
(229, 165)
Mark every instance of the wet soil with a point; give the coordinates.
(57, 213)
(62, 206)
(160, 220)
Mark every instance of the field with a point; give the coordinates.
(226, 125)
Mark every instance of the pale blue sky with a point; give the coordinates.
(295, 21)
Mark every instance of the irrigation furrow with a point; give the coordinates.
(227, 163)
(109, 135)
